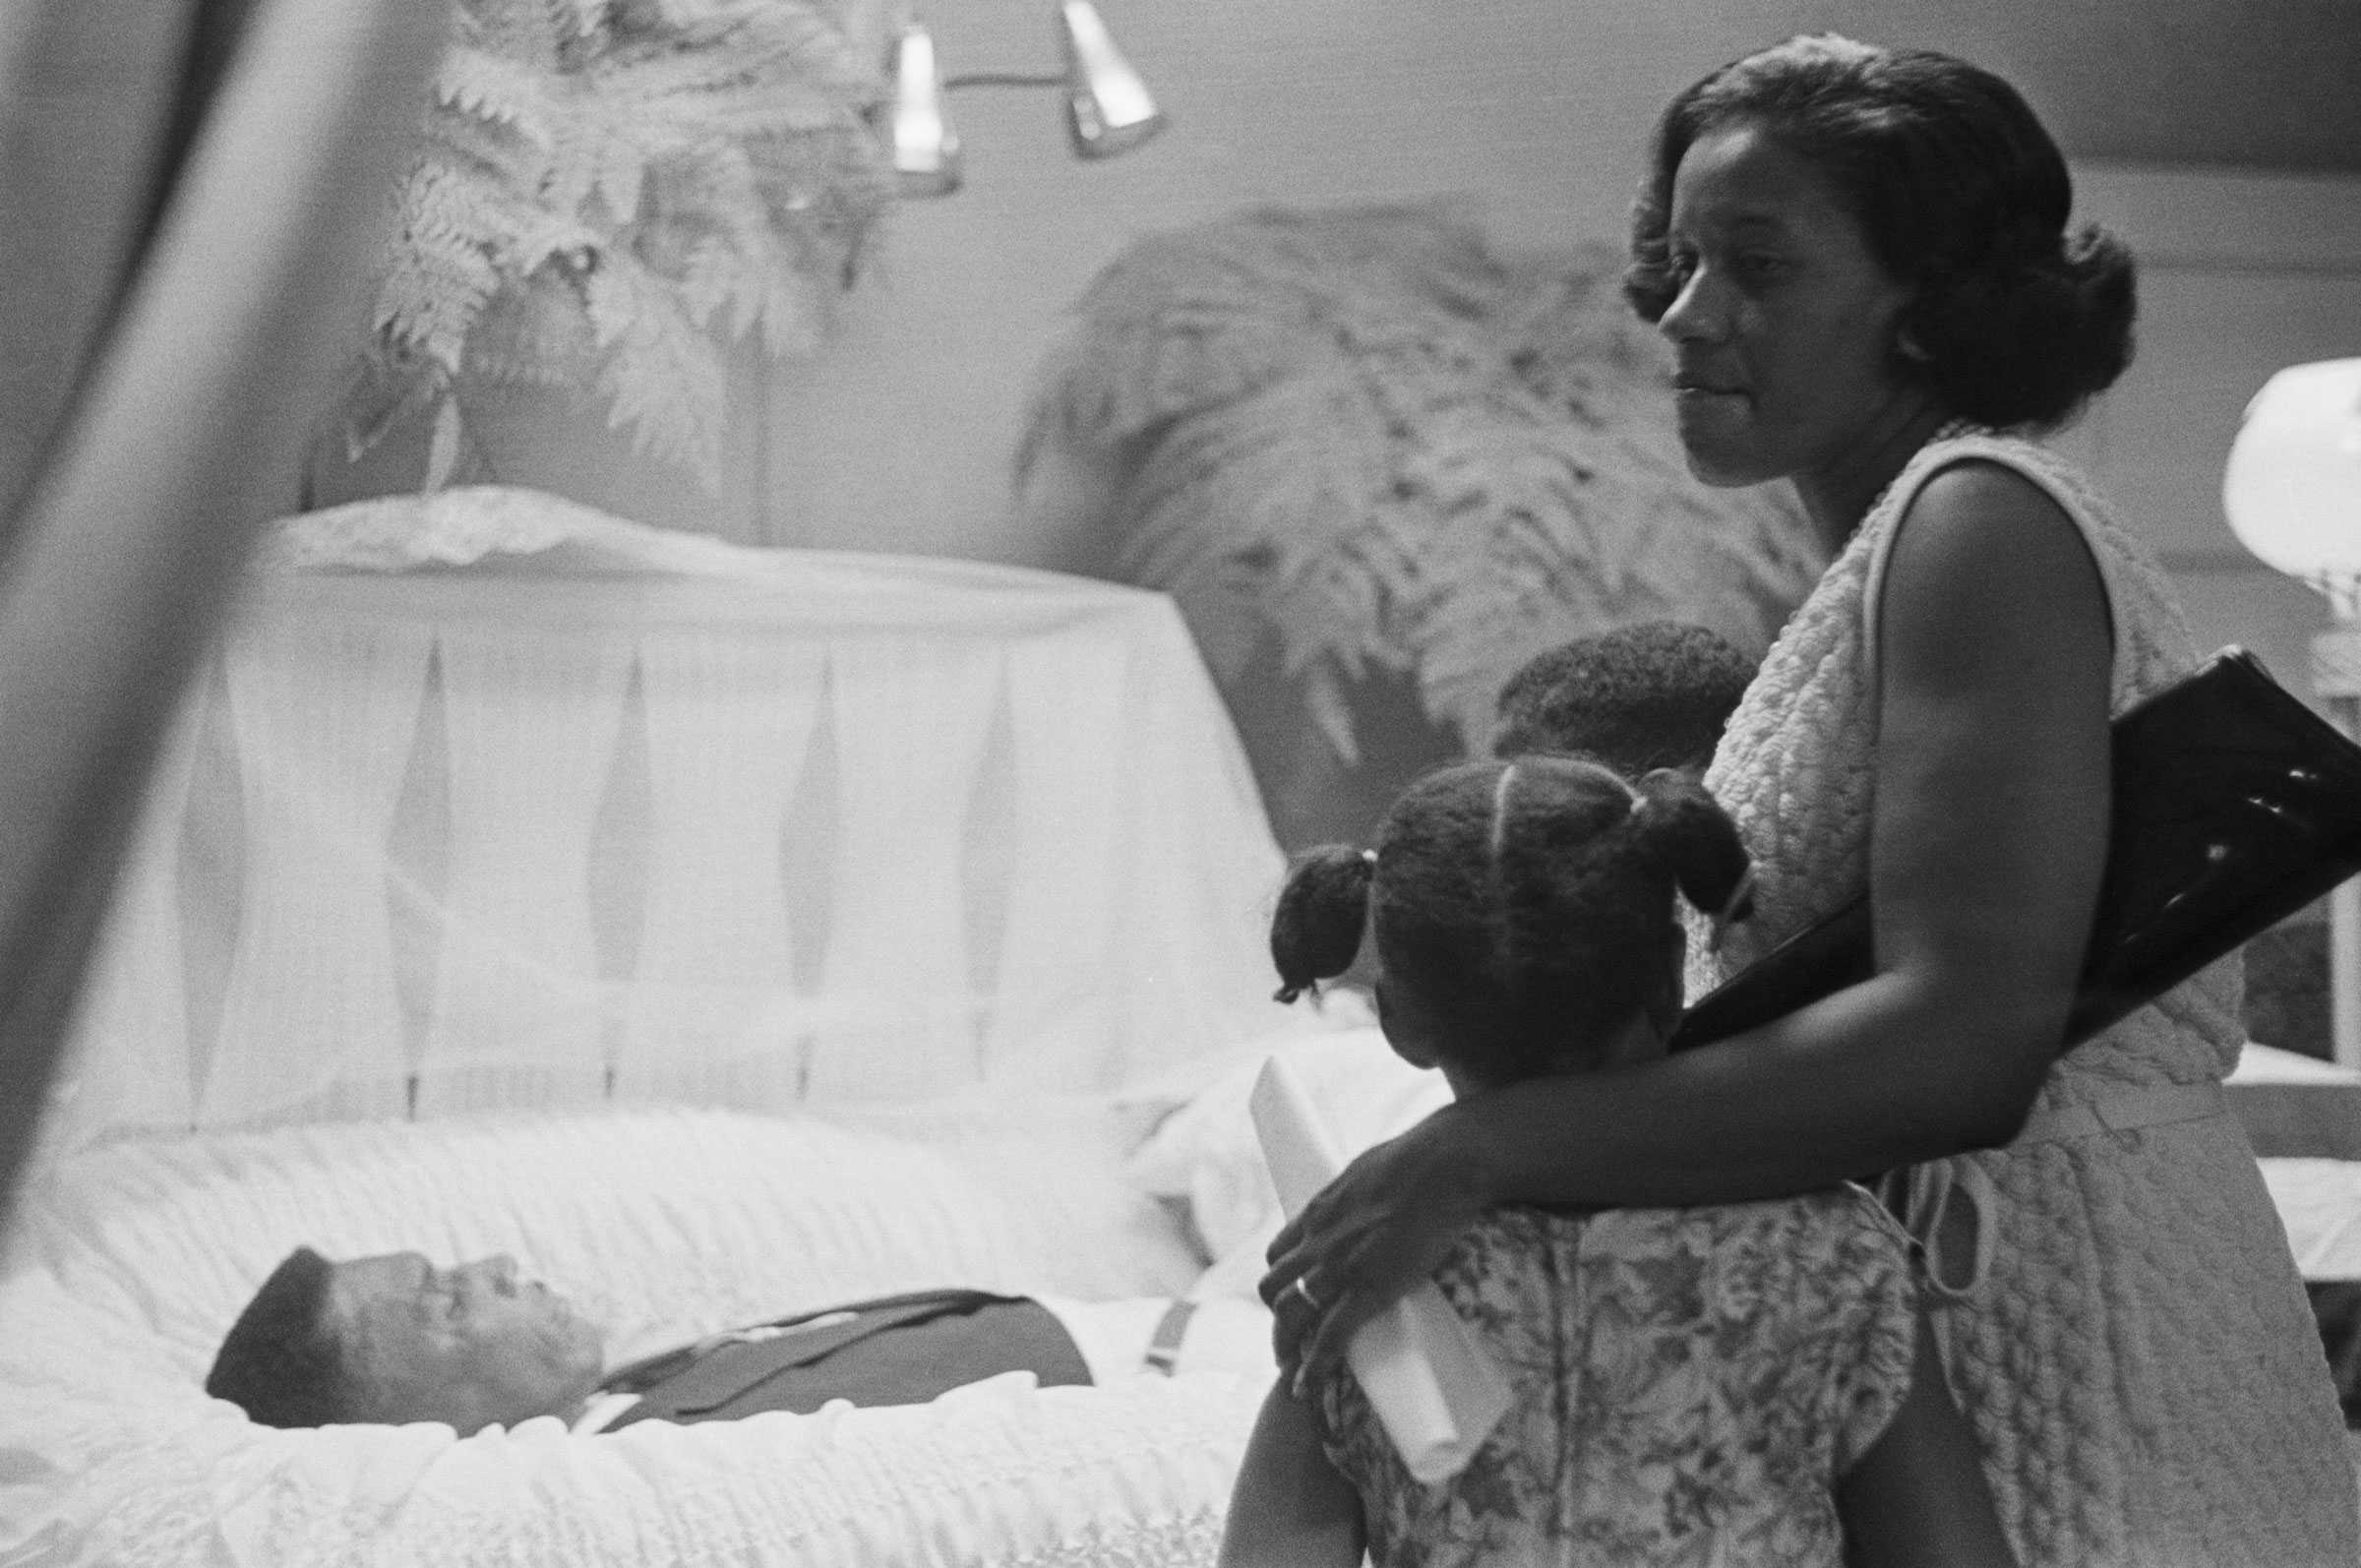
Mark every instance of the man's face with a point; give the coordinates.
(468, 1345)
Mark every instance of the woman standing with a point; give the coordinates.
(1862, 261)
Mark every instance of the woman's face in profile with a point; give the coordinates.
(1783, 326)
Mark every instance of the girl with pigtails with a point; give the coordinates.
(1743, 1383)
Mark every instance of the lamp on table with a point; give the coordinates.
(2292, 490)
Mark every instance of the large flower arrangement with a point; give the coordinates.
(610, 192)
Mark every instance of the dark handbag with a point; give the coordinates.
(2234, 806)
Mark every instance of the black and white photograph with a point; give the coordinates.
(1110, 784)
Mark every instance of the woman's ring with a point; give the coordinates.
(1303, 1289)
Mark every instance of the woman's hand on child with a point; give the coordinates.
(1384, 1224)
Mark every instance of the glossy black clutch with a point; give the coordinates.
(2234, 806)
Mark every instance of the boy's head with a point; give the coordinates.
(1523, 909)
(1651, 695)
(394, 1339)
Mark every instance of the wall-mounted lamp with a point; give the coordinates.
(2292, 489)
(1107, 108)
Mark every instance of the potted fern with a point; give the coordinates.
(608, 194)
(1378, 468)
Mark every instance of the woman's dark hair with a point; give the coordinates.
(279, 1363)
(1523, 905)
(1963, 196)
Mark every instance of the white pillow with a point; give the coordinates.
(2320, 1203)
(1147, 1102)
(1206, 1152)
(1055, 1167)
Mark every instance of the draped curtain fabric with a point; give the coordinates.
(887, 837)
(189, 193)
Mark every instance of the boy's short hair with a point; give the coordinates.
(1651, 694)
(279, 1363)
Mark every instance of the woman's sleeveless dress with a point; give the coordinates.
(2137, 1357)
(1688, 1382)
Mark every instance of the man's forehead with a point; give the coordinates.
(386, 1272)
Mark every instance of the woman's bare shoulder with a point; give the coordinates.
(1985, 508)
(1984, 552)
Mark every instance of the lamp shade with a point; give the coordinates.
(2292, 487)
(1107, 105)
(926, 149)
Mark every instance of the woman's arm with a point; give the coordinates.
(1985, 854)
(1290, 1509)
(1918, 1498)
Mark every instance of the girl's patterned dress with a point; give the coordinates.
(1690, 1383)
(2130, 1340)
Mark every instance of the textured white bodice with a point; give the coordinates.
(2136, 1355)
(1795, 770)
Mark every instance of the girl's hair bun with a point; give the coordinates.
(1694, 839)
(1316, 932)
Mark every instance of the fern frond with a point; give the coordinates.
(777, 67)
(663, 377)
(752, 260)
(490, 148)
(539, 335)
(537, 32)
(716, 196)
(453, 228)
(597, 158)
(480, 85)
(1188, 320)
(1250, 526)
(1558, 528)
(689, 15)
(1358, 438)
(1576, 342)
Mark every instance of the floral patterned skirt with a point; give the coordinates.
(1690, 1383)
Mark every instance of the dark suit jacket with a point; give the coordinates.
(902, 1350)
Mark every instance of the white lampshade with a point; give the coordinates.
(2292, 487)
(1107, 108)
(925, 147)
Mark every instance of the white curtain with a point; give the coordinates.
(721, 826)
(531, 717)
(315, 968)
(1058, 944)
(713, 992)
(900, 1014)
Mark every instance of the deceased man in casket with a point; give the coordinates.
(394, 1339)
